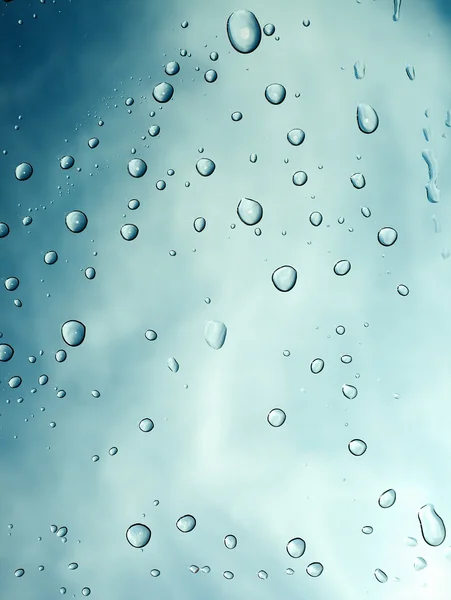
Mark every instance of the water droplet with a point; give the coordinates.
(230, 541)
(67, 162)
(199, 224)
(186, 523)
(210, 76)
(194, 569)
(342, 267)
(346, 359)
(62, 590)
(306, 22)
(113, 451)
(276, 417)
(300, 178)
(62, 531)
(43, 380)
(163, 92)
(387, 236)
(249, 211)
(60, 356)
(340, 330)
(243, 30)
(15, 381)
(206, 569)
(172, 68)
(205, 167)
(403, 290)
(214, 56)
(357, 447)
(19, 572)
(129, 102)
(90, 273)
(137, 167)
(367, 118)
(432, 525)
(146, 425)
(262, 575)
(95, 458)
(432, 191)
(349, 391)
(50, 257)
(315, 569)
(317, 365)
(133, 204)
(85, 591)
(237, 116)
(269, 29)
(316, 218)
(296, 137)
(387, 499)
(72, 566)
(365, 211)
(284, 278)
(380, 576)
(27, 221)
(93, 142)
(228, 575)
(154, 130)
(296, 547)
(129, 232)
(367, 530)
(53, 528)
(215, 334)
(73, 332)
(358, 181)
(253, 158)
(396, 9)
(23, 171)
(359, 69)
(275, 93)
(155, 573)
(138, 535)
(410, 70)
(173, 365)
(4, 230)
(76, 221)
(6, 352)
(11, 284)
(151, 335)
(419, 563)
(411, 542)
(41, 568)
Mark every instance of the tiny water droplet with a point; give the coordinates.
(186, 523)
(244, 32)
(367, 118)
(411, 542)
(357, 447)
(23, 171)
(296, 137)
(387, 236)
(315, 569)
(387, 499)
(194, 569)
(163, 92)
(349, 391)
(432, 525)
(138, 535)
(284, 278)
(276, 417)
(173, 365)
(296, 547)
(60, 355)
(76, 221)
(205, 167)
(129, 232)
(90, 273)
(73, 332)
(62, 531)
(230, 541)
(342, 267)
(275, 93)
(300, 178)
(137, 167)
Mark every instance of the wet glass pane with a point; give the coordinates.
(224, 299)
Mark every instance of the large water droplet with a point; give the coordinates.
(199, 224)
(205, 167)
(61, 532)
(215, 334)
(129, 232)
(146, 425)
(173, 365)
(73, 333)
(6, 352)
(249, 211)
(380, 576)
(138, 535)
(367, 118)
(357, 447)
(387, 499)
(284, 278)
(296, 547)
(342, 267)
(358, 181)
(15, 381)
(315, 569)
(296, 137)
(230, 541)
(275, 93)
(244, 31)
(163, 92)
(276, 417)
(23, 171)
(432, 525)
(349, 391)
(76, 221)
(419, 563)
(137, 167)
(317, 365)
(387, 236)
(186, 523)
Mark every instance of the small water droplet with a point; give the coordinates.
(358, 181)
(113, 451)
(410, 70)
(60, 355)
(269, 29)
(205, 167)
(154, 130)
(62, 531)
(137, 167)
(23, 171)
(296, 547)
(163, 92)
(380, 576)
(340, 329)
(317, 365)
(173, 365)
(349, 391)
(300, 178)
(67, 162)
(357, 447)
(11, 284)
(411, 542)
(262, 575)
(19, 572)
(186, 523)
(72, 566)
(387, 499)
(228, 575)
(367, 530)
(160, 185)
(342, 267)
(210, 76)
(73, 332)
(50, 257)
(93, 142)
(133, 204)
(95, 458)
(315, 569)
(367, 118)
(419, 563)
(155, 572)
(214, 56)
(129, 232)
(403, 290)
(146, 425)
(275, 93)
(85, 591)
(138, 535)
(387, 236)
(151, 335)
(244, 32)
(250, 211)
(316, 218)
(194, 569)
(230, 541)
(90, 273)
(76, 221)
(432, 525)
(284, 278)
(432, 191)
(43, 379)
(215, 334)
(6, 352)
(4, 230)
(359, 69)
(365, 211)
(237, 116)
(296, 137)
(15, 381)
(199, 224)
(276, 417)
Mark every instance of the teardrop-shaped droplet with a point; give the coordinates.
(173, 365)
(163, 92)
(387, 499)
(358, 181)
(230, 541)
(243, 30)
(380, 576)
(357, 447)
(317, 365)
(215, 334)
(387, 236)
(205, 167)
(275, 93)
(199, 224)
(316, 218)
(284, 278)
(73, 332)
(367, 118)
(432, 525)
(23, 171)
(138, 535)
(342, 267)
(137, 167)
(349, 391)
(315, 569)
(276, 417)
(296, 547)
(186, 523)
(249, 211)
(296, 137)
(411, 542)
(419, 563)
(76, 221)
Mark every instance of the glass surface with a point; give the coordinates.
(225, 300)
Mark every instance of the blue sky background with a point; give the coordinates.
(212, 453)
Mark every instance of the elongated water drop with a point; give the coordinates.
(396, 9)
(367, 118)
(249, 211)
(215, 334)
(432, 525)
(410, 70)
(432, 191)
(244, 32)
(173, 365)
(387, 499)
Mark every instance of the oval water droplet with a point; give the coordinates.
(73, 332)
(403, 290)
(349, 391)
(90, 273)
(6, 352)
(275, 93)
(262, 575)
(276, 417)
(296, 547)
(316, 218)
(387, 236)
(172, 68)
(419, 563)
(151, 335)
(300, 178)
(138, 535)
(50, 257)
(72, 566)
(173, 365)
(60, 355)
(387, 499)
(249, 211)
(358, 181)
(154, 130)
(228, 575)
(85, 591)
(205, 167)
(62, 531)
(155, 572)
(113, 451)
(365, 211)
(146, 425)
(15, 381)
(210, 76)
(215, 334)
(380, 576)
(296, 137)
(315, 569)
(137, 167)
(367, 529)
(284, 278)
(342, 267)
(93, 142)
(67, 162)
(317, 365)
(129, 232)
(230, 541)
(244, 32)
(19, 572)
(269, 29)
(199, 224)
(23, 171)
(432, 525)
(11, 284)
(357, 447)
(133, 204)
(163, 92)
(237, 116)
(76, 221)
(186, 523)
(367, 118)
